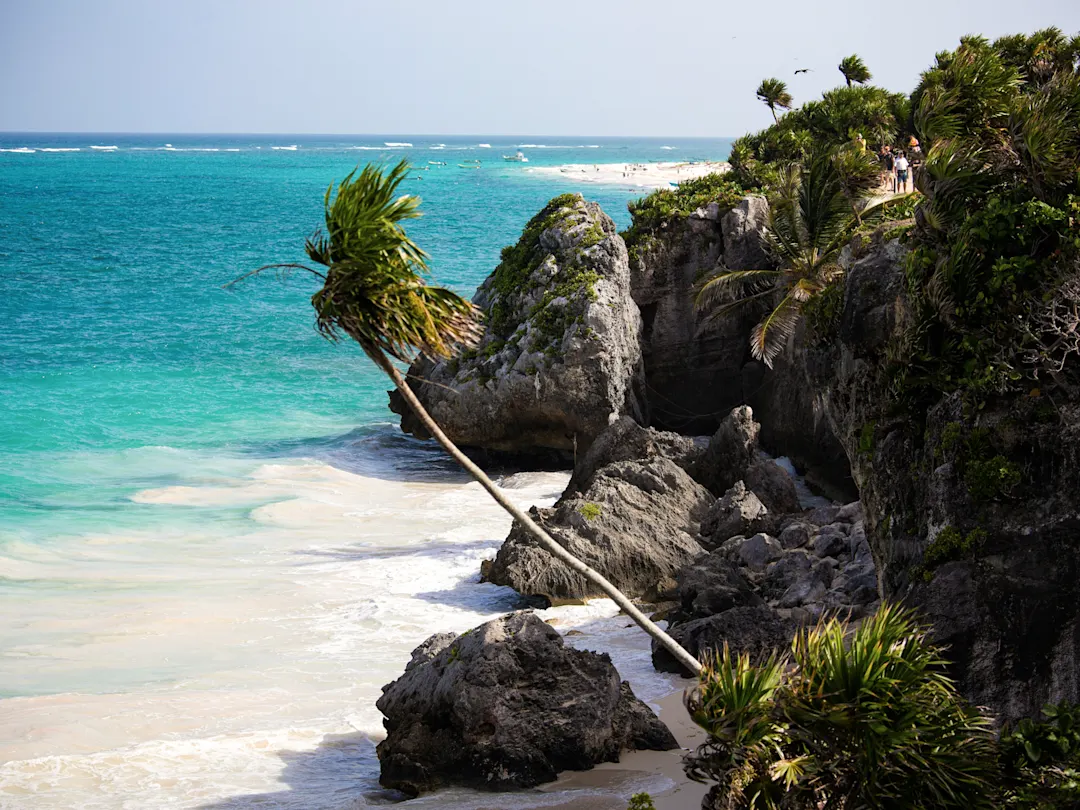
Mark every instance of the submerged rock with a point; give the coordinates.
(507, 706)
(636, 524)
(560, 359)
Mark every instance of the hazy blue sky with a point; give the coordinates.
(550, 67)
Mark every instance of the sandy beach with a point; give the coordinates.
(638, 768)
(633, 175)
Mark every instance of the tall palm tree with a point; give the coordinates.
(854, 70)
(774, 94)
(373, 292)
(811, 218)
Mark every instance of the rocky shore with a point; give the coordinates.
(595, 354)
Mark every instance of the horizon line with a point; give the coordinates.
(357, 134)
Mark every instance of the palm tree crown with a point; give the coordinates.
(854, 70)
(775, 94)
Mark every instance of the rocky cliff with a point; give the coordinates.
(560, 358)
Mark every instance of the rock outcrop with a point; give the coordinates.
(694, 373)
(973, 514)
(507, 706)
(560, 358)
(636, 524)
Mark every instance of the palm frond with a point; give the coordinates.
(769, 337)
(723, 284)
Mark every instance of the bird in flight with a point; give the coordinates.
(802, 70)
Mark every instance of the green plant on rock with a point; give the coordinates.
(590, 511)
(656, 209)
(373, 292)
(641, 801)
(1040, 760)
(997, 233)
(948, 545)
(811, 218)
(863, 719)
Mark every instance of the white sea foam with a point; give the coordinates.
(393, 144)
(217, 659)
(668, 147)
(232, 149)
(21, 150)
(59, 149)
(105, 148)
(483, 145)
(292, 148)
(369, 148)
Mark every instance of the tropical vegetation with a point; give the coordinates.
(774, 94)
(854, 70)
(863, 718)
(373, 292)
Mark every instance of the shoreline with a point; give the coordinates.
(632, 175)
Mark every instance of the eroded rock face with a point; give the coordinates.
(636, 524)
(560, 359)
(993, 491)
(507, 706)
(693, 373)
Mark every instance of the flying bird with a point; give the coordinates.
(802, 70)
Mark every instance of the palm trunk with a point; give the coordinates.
(681, 655)
(772, 109)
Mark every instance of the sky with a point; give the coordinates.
(684, 68)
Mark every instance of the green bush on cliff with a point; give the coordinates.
(1040, 760)
(863, 719)
(997, 240)
(649, 212)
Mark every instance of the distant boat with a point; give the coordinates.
(468, 166)
(470, 160)
(518, 158)
(436, 163)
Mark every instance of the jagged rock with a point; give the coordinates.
(803, 592)
(561, 357)
(850, 513)
(757, 631)
(743, 228)
(710, 585)
(795, 535)
(739, 512)
(784, 572)
(507, 706)
(626, 440)
(635, 524)
(731, 451)
(758, 551)
(771, 483)
(823, 515)
(830, 542)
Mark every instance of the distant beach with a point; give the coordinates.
(641, 175)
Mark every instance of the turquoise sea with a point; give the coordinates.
(215, 545)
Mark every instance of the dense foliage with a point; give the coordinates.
(1041, 760)
(854, 70)
(866, 722)
(879, 116)
(994, 279)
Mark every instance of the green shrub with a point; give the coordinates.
(641, 801)
(590, 511)
(868, 723)
(649, 212)
(1040, 760)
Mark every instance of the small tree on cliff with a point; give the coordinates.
(854, 70)
(774, 94)
(374, 293)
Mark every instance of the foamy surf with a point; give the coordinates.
(291, 148)
(105, 148)
(245, 650)
(21, 150)
(394, 144)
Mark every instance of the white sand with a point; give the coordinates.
(631, 175)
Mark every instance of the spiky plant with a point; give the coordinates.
(854, 70)
(851, 720)
(775, 95)
(811, 217)
(374, 292)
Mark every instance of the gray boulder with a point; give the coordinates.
(635, 524)
(731, 451)
(771, 483)
(560, 359)
(758, 551)
(507, 706)
(626, 440)
(710, 585)
(739, 512)
(757, 631)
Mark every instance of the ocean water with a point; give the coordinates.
(215, 545)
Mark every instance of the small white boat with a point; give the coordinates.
(518, 158)
(436, 163)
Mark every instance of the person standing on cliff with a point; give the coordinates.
(902, 168)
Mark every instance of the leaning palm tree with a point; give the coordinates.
(854, 70)
(774, 94)
(374, 293)
(811, 218)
